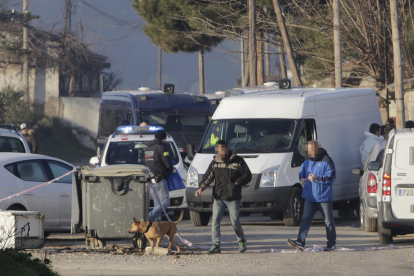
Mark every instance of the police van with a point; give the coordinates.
(269, 130)
(182, 115)
(127, 146)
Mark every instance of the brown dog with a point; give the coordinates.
(157, 230)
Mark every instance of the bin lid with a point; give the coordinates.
(116, 171)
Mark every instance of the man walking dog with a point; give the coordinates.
(158, 161)
(229, 173)
(317, 175)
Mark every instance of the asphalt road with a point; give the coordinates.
(263, 236)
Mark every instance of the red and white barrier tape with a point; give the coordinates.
(37, 187)
(185, 241)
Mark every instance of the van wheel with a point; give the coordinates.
(186, 214)
(199, 219)
(384, 235)
(294, 210)
(276, 216)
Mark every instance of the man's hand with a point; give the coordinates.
(311, 177)
(303, 181)
(198, 192)
(235, 183)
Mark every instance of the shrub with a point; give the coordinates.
(17, 262)
(14, 108)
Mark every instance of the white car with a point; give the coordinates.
(22, 171)
(11, 140)
(127, 146)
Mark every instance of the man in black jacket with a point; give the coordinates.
(158, 162)
(229, 173)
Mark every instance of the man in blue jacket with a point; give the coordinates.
(317, 175)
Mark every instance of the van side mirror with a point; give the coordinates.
(190, 152)
(357, 171)
(94, 161)
(374, 166)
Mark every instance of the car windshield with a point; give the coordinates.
(251, 135)
(133, 152)
(10, 144)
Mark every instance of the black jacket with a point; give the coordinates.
(157, 159)
(225, 174)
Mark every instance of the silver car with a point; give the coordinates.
(368, 185)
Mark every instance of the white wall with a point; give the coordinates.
(81, 113)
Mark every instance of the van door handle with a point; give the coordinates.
(64, 195)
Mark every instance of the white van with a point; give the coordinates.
(395, 193)
(269, 129)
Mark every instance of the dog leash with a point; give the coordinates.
(185, 241)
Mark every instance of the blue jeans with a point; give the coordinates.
(309, 211)
(219, 206)
(164, 195)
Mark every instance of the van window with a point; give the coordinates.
(307, 133)
(194, 120)
(404, 154)
(133, 152)
(155, 119)
(251, 135)
(380, 156)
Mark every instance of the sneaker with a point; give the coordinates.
(330, 248)
(215, 249)
(296, 244)
(242, 246)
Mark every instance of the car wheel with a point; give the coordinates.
(199, 219)
(294, 210)
(362, 215)
(384, 235)
(17, 207)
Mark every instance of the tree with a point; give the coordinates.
(170, 28)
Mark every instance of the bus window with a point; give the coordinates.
(189, 120)
(155, 119)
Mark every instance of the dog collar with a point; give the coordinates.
(148, 227)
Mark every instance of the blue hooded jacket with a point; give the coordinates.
(324, 170)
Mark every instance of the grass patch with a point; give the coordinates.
(17, 263)
(57, 140)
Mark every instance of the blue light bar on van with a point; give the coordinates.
(138, 129)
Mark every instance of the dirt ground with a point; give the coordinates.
(265, 240)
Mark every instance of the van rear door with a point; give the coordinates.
(402, 179)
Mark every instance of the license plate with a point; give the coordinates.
(405, 192)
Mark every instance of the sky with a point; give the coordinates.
(113, 28)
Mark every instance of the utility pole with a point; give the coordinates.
(282, 61)
(242, 59)
(201, 71)
(260, 78)
(68, 19)
(337, 42)
(159, 67)
(398, 65)
(252, 43)
(80, 30)
(286, 42)
(267, 58)
(386, 60)
(25, 50)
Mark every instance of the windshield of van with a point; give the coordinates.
(133, 152)
(251, 135)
